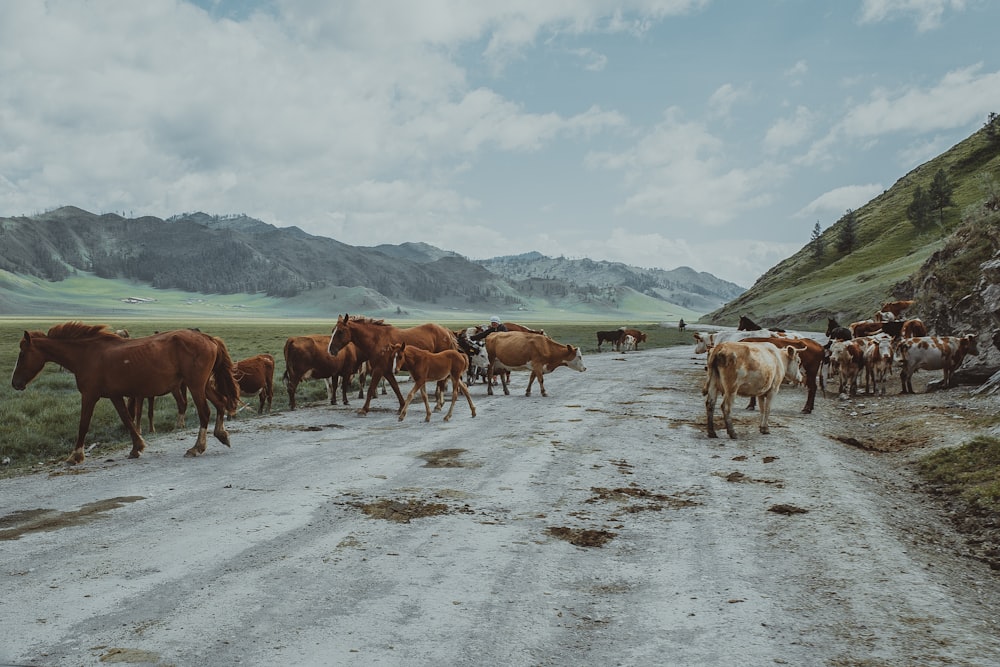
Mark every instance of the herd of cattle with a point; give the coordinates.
(753, 361)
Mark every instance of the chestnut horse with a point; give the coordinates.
(108, 366)
(372, 339)
(425, 367)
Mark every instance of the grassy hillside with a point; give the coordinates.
(804, 290)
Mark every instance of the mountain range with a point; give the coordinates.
(198, 253)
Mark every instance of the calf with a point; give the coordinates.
(479, 361)
(629, 343)
(425, 367)
(944, 353)
(747, 369)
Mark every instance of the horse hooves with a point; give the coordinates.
(191, 453)
(134, 454)
(223, 438)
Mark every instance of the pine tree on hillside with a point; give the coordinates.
(848, 232)
(939, 194)
(816, 242)
(919, 210)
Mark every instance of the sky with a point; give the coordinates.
(712, 134)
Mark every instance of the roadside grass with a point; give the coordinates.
(970, 472)
(39, 425)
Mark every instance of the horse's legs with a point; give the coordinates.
(204, 413)
(442, 386)
(86, 412)
(138, 444)
(406, 403)
(220, 433)
(468, 397)
(427, 405)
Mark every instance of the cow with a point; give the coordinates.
(639, 336)
(944, 353)
(629, 343)
(878, 363)
(848, 356)
(747, 369)
(893, 308)
(706, 341)
(516, 351)
(864, 328)
(905, 328)
(514, 326)
(616, 338)
(255, 375)
(424, 367)
(811, 355)
(479, 361)
(307, 358)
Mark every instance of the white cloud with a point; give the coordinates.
(788, 132)
(834, 203)
(913, 110)
(927, 14)
(592, 60)
(797, 72)
(726, 96)
(677, 172)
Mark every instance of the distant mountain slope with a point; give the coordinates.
(889, 252)
(235, 254)
(683, 286)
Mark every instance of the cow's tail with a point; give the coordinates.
(717, 360)
(225, 380)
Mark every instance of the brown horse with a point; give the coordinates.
(373, 338)
(425, 367)
(108, 366)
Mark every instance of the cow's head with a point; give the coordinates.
(575, 358)
(970, 345)
(793, 371)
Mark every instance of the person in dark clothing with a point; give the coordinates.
(495, 325)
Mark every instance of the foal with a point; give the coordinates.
(425, 367)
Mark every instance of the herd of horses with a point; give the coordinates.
(127, 371)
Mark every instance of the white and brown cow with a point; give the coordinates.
(878, 362)
(518, 351)
(747, 369)
(932, 353)
(703, 342)
(848, 358)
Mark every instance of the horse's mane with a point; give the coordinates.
(78, 330)
(369, 320)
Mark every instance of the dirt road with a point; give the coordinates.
(597, 526)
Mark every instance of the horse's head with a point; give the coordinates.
(831, 324)
(395, 353)
(341, 334)
(30, 361)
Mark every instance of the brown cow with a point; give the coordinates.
(639, 336)
(424, 367)
(514, 326)
(864, 328)
(895, 307)
(307, 358)
(517, 351)
(747, 369)
(255, 376)
(615, 338)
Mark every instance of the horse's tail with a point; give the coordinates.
(225, 381)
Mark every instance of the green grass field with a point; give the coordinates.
(39, 425)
